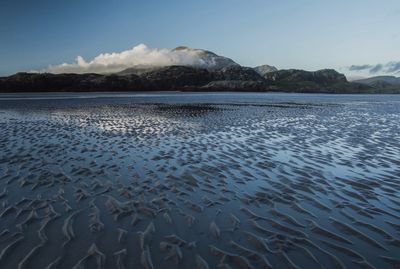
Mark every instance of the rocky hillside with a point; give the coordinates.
(184, 78)
(321, 77)
(321, 81)
(264, 69)
(206, 71)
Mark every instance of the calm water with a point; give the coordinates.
(179, 180)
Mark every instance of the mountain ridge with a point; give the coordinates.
(206, 71)
(393, 80)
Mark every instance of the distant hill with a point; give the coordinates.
(321, 81)
(325, 76)
(383, 83)
(385, 80)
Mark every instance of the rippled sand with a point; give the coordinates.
(105, 183)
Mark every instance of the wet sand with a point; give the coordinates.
(216, 181)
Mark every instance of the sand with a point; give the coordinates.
(287, 181)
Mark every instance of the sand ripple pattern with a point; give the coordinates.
(283, 185)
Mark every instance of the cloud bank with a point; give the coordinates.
(391, 68)
(139, 55)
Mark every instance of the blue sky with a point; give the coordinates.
(306, 34)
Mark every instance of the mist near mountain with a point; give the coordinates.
(143, 56)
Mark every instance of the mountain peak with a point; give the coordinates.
(264, 69)
(181, 48)
(186, 48)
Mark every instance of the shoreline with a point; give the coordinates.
(191, 92)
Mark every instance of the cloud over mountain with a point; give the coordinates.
(142, 55)
(387, 68)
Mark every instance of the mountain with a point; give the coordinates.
(264, 69)
(321, 81)
(238, 73)
(196, 58)
(323, 77)
(138, 70)
(203, 71)
(205, 59)
(390, 84)
(236, 78)
(175, 78)
(185, 78)
(46, 82)
(384, 80)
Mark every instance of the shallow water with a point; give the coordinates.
(241, 179)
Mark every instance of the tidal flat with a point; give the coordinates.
(199, 180)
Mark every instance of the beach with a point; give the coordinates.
(199, 180)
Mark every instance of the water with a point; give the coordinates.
(312, 178)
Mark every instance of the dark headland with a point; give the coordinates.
(223, 75)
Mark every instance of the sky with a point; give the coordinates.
(356, 37)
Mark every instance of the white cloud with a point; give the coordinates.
(139, 55)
